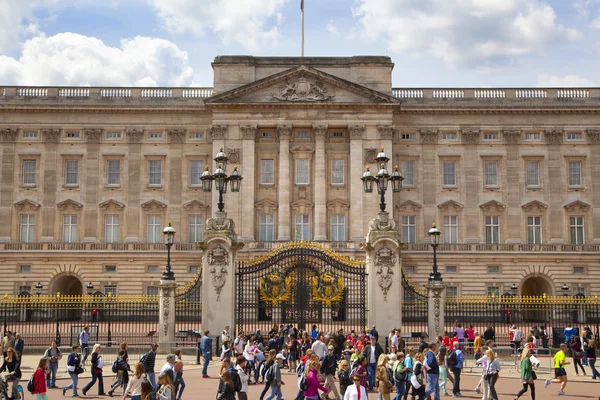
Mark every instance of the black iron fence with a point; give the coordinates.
(188, 311)
(414, 310)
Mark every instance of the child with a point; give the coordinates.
(121, 366)
(354, 358)
(285, 353)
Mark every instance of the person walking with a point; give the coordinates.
(492, 373)
(328, 368)
(409, 367)
(134, 386)
(121, 367)
(527, 374)
(516, 337)
(39, 380)
(590, 351)
(382, 377)
(11, 363)
(577, 354)
(180, 383)
(7, 342)
(312, 381)
(344, 377)
(276, 382)
(84, 340)
(356, 391)
(560, 373)
(432, 369)
(483, 386)
(73, 368)
(206, 348)
(441, 359)
(19, 344)
(96, 370)
(53, 355)
(319, 348)
(418, 378)
(149, 361)
(166, 391)
(456, 362)
(240, 368)
(227, 389)
(372, 353)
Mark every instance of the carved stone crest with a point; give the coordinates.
(93, 135)
(135, 135)
(356, 131)
(512, 137)
(176, 135)
(220, 223)
(218, 260)
(51, 135)
(554, 136)
(470, 137)
(9, 134)
(218, 132)
(429, 136)
(166, 310)
(303, 90)
(235, 155)
(370, 155)
(248, 132)
(385, 260)
(593, 136)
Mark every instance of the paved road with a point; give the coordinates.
(200, 389)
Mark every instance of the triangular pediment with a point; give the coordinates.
(534, 206)
(577, 206)
(492, 205)
(195, 205)
(338, 206)
(451, 205)
(27, 204)
(69, 204)
(304, 85)
(266, 206)
(153, 204)
(409, 205)
(111, 203)
(302, 206)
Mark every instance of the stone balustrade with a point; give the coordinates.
(12, 92)
(521, 94)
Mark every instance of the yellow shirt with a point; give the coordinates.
(478, 342)
(559, 359)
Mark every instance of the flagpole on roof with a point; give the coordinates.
(302, 11)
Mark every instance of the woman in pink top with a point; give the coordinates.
(312, 380)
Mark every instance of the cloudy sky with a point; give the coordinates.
(433, 43)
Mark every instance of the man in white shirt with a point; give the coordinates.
(238, 344)
(395, 339)
(319, 348)
(168, 367)
(356, 391)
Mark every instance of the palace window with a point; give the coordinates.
(71, 172)
(266, 228)
(196, 135)
(69, 228)
(196, 227)
(532, 136)
(573, 136)
(575, 173)
(493, 291)
(451, 269)
(409, 269)
(409, 229)
(196, 167)
(113, 135)
(30, 135)
(338, 228)
(29, 168)
(193, 269)
(408, 173)
(449, 136)
(534, 230)
(451, 291)
(24, 289)
(113, 172)
(490, 136)
(302, 171)
(337, 171)
(25, 269)
(576, 226)
(338, 134)
(152, 268)
(407, 136)
(492, 229)
(302, 227)
(155, 172)
(533, 173)
(111, 228)
(267, 172)
(451, 229)
(73, 135)
(449, 174)
(110, 269)
(153, 229)
(579, 270)
(491, 173)
(493, 269)
(27, 232)
(302, 134)
(151, 290)
(155, 135)
(267, 134)
(110, 290)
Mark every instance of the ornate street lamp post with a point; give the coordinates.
(382, 178)
(565, 289)
(513, 289)
(221, 179)
(434, 234)
(90, 288)
(169, 232)
(38, 289)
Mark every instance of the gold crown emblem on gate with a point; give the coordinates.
(327, 288)
(275, 289)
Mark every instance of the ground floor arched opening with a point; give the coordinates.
(536, 286)
(67, 285)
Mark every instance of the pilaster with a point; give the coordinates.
(283, 211)
(248, 188)
(356, 190)
(320, 131)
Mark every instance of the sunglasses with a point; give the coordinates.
(356, 379)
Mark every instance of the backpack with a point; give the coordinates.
(400, 373)
(115, 366)
(147, 385)
(302, 383)
(300, 369)
(452, 359)
(237, 381)
(270, 375)
(31, 384)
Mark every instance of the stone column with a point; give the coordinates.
(219, 265)
(248, 186)
(9, 163)
(93, 180)
(166, 334)
(356, 168)
(436, 299)
(385, 292)
(283, 211)
(133, 183)
(321, 182)
(593, 136)
(49, 185)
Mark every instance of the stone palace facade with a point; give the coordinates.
(90, 176)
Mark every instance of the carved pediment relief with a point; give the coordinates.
(409, 205)
(266, 206)
(338, 206)
(27, 204)
(493, 205)
(534, 206)
(195, 205)
(301, 84)
(302, 148)
(577, 206)
(450, 205)
(69, 205)
(112, 204)
(153, 205)
(302, 206)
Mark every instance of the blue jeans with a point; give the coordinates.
(136, 397)
(95, 377)
(400, 387)
(51, 377)
(206, 357)
(181, 387)
(592, 364)
(371, 368)
(73, 384)
(433, 386)
(275, 393)
(152, 378)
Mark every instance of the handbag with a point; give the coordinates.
(78, 370)
(577, 354)
(533, 375)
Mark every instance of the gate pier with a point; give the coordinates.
(166, 334)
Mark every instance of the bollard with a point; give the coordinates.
(198, 353)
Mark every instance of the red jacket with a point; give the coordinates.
(39, 381)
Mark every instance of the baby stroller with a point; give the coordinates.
(5, 388)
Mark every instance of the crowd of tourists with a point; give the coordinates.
(350, 365)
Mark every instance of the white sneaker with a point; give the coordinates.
(547, 383)
(478, 390)
(561, 393)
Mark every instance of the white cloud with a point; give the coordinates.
(73, 59)
(331, 28)
(251, 23)
(481, 33)
(595, 23)
(544, 80)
